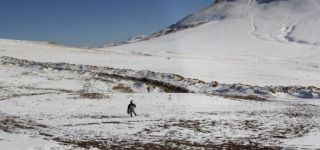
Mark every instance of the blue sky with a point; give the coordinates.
(90, 22)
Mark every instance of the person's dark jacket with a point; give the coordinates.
(130, 107)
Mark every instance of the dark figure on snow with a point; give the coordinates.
(131, 108)
(148, 88)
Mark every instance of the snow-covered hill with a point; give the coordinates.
(273, 20)
(244, 40)
(244, 26)
(128, 41)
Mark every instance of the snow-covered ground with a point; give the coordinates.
(264, 57)
(253, 70)
(16, 141)
(47, 107)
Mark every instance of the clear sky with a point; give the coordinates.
(90, 22)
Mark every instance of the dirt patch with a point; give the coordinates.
(141, 54)
(160, 145)
(245, 97)
(93, 123)
(25, 94)
(45, 89)
(195, 125)
(100, 143)
(95, 116)
(179, 144)
(123, 88)
(89, 95)
(92, 95)
(15, 124)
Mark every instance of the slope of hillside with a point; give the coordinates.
(244, 27)
(244, 40)
(231, 69)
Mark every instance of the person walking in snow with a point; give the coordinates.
(131, 108)
(148, 88)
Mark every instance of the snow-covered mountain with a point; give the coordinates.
(247, 24)
(273, 20)
(243, 40)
